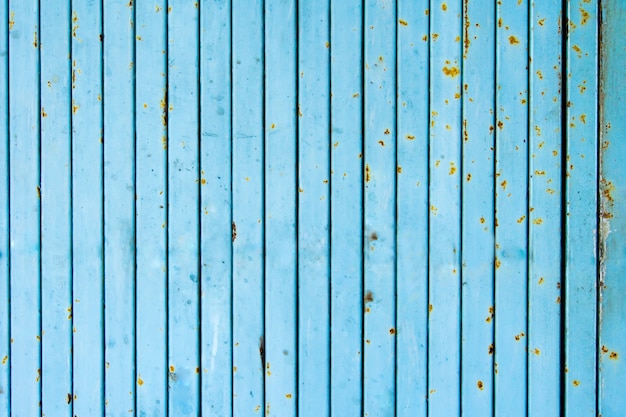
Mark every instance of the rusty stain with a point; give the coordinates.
(369, 297)
(482, 220)
(327, 44)
(584, 16)
(538, 221)
(558, 300)
(257, 408)
(234, 231)
(490, 349)
(541, 21)
(11, 20)
(262, 349)
(392, 331)
(288, 396)
(613, 355)
(479, 384)
(451, 72)
(43, 113)
(452, 169)
(519, 336)
(500, 124)
(69, 398)
(381, 143)
(75, 107)
(498, 263)
(537, 352)
(433, 209)
(5, 359)
(469, 177)
(540, 281)
(576, 382)
(399, 169)
(410, 137)
(578, 51)
(355, 95)
(513, 40)
(139, 381)
(403, 22)
(35, 41)
(158, 9)
(503, 184)
(172, 368)
(367, 173)
(444, 7)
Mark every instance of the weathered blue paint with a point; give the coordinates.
(280, 208)
(477, 233)
(581, 221)
(544, 212)
(5, 327)
(379, 207)
(215, 213)
(56, 211)
(24, 207)
(412, 208)
(248, 207)
(346, 205)
(151, 208)
(119, 207)
(612, 209)
(311, 208)
(511, 208)
(183, 202)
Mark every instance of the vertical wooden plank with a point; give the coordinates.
(477, 177)
(544, 217)
(248, 208)
(379, 323)
(444, 358)
(612, 391)
(56, 209)
(183, 207)
(87, 209)
(581, 222)
(511, 177)
(215, 221)
(280, 207)
(5, 366)
(119, 206)
(151, 211)
(313, 208)
(346, 185)
(24, 201)
(412, 208)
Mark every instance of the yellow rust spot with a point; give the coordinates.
(157, 9)
(387, 131)
(519, 336)
(521, 219)
(538, 220)
(444, 7)
(433, 210)
(539, 74)
(430, 308)
(164, 141)
(139, 381)
(576, 382)
(410, 137)
(451, 71)
(513, 40)
(452, 169)
(537, 352)
(469, 177)
(381, 143)
(392, 331)
(288, 396)
(500, 124)
(614, 356)
(584, 16)
(538, 172)
(498, 263)
(327, 44)
(11, 20)
(43, 113)
(403, 22)
(479, 384)
(75, 107)
(367, 173)
(503, 184)
(172, 368)
(482, 220)
(257, 408)
(273, 126)
(578, 51)
(399, 169)
(35, 41)
(542, 21)
(355, 95)
(5, 360)
(540, 281)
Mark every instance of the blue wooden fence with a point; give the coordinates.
(312, 208)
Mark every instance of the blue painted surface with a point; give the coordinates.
(311, 208)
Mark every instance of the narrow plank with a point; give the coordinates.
(248, 208)
(478, 208)
(412, 208)
(346, 200)
(544, 217)
(215, 220)
(612, 229)
(511, 183)
(151, 211)
(56, 210)
(183, 222)
(87, 210)
(24, 207)
(313, 208)
(5, 318)
(280, 207)
(379, 226)
(444, 358)
(580, 382)
(119, 207)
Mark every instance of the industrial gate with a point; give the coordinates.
(312, 208)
